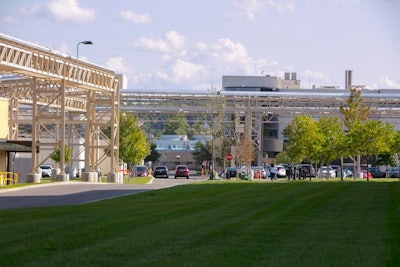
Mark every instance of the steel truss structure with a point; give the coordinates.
(66, 101)
(248, 111)
(288, 102)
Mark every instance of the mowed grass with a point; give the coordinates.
(214, 224)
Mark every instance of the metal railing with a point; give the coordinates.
(7, 178)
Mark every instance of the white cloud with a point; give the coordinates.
(187, 71)
(71, 11)
(171, 42)
(25, 11)
(249, 9)
(345, 1)
(29, 10)
(10, 19)
(388, 83)
(228, 50)
(176, 40)
(246, 9)
(118, 64)
(282, 6)
(200, 64)
(130, 16)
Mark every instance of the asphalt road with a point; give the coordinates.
(73, 193)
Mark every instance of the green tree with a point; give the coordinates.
(154, 155)
(305, 139)
(354, 112)
(372, 138)
(396, 148)
(333, 142)
(56, 155)
(387, 159)
(202, 151)
(133, 144)
(198, 129)
(176, 125)
(282, 157)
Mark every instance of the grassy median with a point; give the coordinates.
(214, 224)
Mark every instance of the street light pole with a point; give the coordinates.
(80, 156)
(77, 55)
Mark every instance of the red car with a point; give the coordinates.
(141, 170)
(182, 171)
(365, 173)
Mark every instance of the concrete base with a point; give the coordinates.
(90, 177)
(115, 177)
(359, 175)
(62, 177)
(33, 178)
(54, 173)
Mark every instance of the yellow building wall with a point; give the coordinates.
(3, 119)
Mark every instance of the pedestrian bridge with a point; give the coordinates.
(76, 97)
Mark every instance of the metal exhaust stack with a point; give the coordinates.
(348, 82)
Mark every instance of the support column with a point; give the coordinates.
(62, 176)
(114, 176)
(89, 175)
(35, 175)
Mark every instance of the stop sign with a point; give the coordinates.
(229, 157)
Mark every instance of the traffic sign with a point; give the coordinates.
(229, 156)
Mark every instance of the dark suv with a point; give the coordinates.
(182, 171)
(307, 169)
(161, 171)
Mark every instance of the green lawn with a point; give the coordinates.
(214, 224)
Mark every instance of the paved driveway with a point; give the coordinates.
(72, 193)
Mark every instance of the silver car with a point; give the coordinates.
(280, 171)
(264, 173)
(324, 172)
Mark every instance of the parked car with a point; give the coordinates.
(394, 172)
(141, 170)
(376, 172)
(366, 174)
(245, 171)
(308, 169)
(280, 171)
(260, 170)
(346, 171)
(161, 171)
(229, 172)
(46, 170)
(182, 171)
(323, 171)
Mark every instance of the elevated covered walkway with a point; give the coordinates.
(69, 101)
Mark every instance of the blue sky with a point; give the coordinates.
(180, 44)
